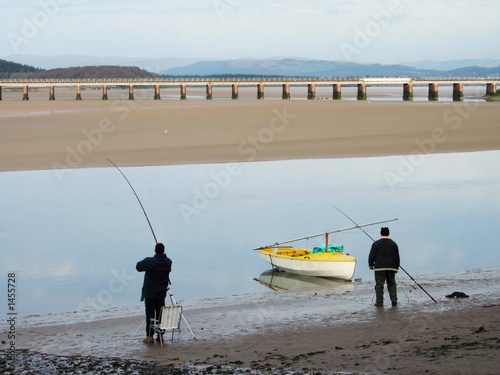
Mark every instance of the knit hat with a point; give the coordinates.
(384, 231)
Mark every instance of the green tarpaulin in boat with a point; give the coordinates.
(332, 248)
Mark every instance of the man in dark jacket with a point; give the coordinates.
(154, 289)
(384, 259)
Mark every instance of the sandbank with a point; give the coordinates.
(61, 134)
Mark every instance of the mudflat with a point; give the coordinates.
(324, 332)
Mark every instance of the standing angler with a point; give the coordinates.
(154, 289)
(384, 260)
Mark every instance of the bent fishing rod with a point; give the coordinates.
(138, 200)
(156, 241)
(415, 281)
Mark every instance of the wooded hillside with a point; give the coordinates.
(7, 68)
(13, 70)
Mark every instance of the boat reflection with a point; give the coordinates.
(282, 280)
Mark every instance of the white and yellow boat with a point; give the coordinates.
(333, 263)
(336, 265)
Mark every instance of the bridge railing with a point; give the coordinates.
(179, 79)
(245, 80)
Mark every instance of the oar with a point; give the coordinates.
(323, 233)
(359, 226)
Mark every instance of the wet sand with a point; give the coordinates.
(326, 332)
(292, 332)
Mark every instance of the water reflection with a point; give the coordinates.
(281, 280)
(74, 243)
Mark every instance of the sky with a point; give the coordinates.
(375, 31)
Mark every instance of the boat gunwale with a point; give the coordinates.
(331, 257)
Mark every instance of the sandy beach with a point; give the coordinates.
(289, 333)
(81, 134)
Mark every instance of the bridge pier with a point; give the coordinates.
(407, 92)
(361, 91)
(311, 91)
(491, 89)
(337, 91)
(407, 95)
(260, 91)
(458, 92)
(433, 92)
(286, 91)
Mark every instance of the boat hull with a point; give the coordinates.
(302, 262)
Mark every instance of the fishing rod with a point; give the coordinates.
(156, 241)
(415, 281)
(323, 233)
(143, 210)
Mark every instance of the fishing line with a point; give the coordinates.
(138, 200)
(156, 241)
(415, 281)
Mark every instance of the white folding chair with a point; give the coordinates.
(170, 321)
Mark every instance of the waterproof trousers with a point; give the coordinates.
(388, 277)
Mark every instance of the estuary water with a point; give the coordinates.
(73, 239)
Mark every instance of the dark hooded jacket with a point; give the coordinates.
(156, 279)
(384, 255)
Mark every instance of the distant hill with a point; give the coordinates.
(154, 65)
(279, 67)
(163, 64)
(453, 64)
(7, 68)
(290, 67)
(474, 71)
(106, 71)
(320, 68)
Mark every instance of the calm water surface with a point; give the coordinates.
(73, 240)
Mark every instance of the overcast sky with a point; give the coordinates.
(383, 31)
